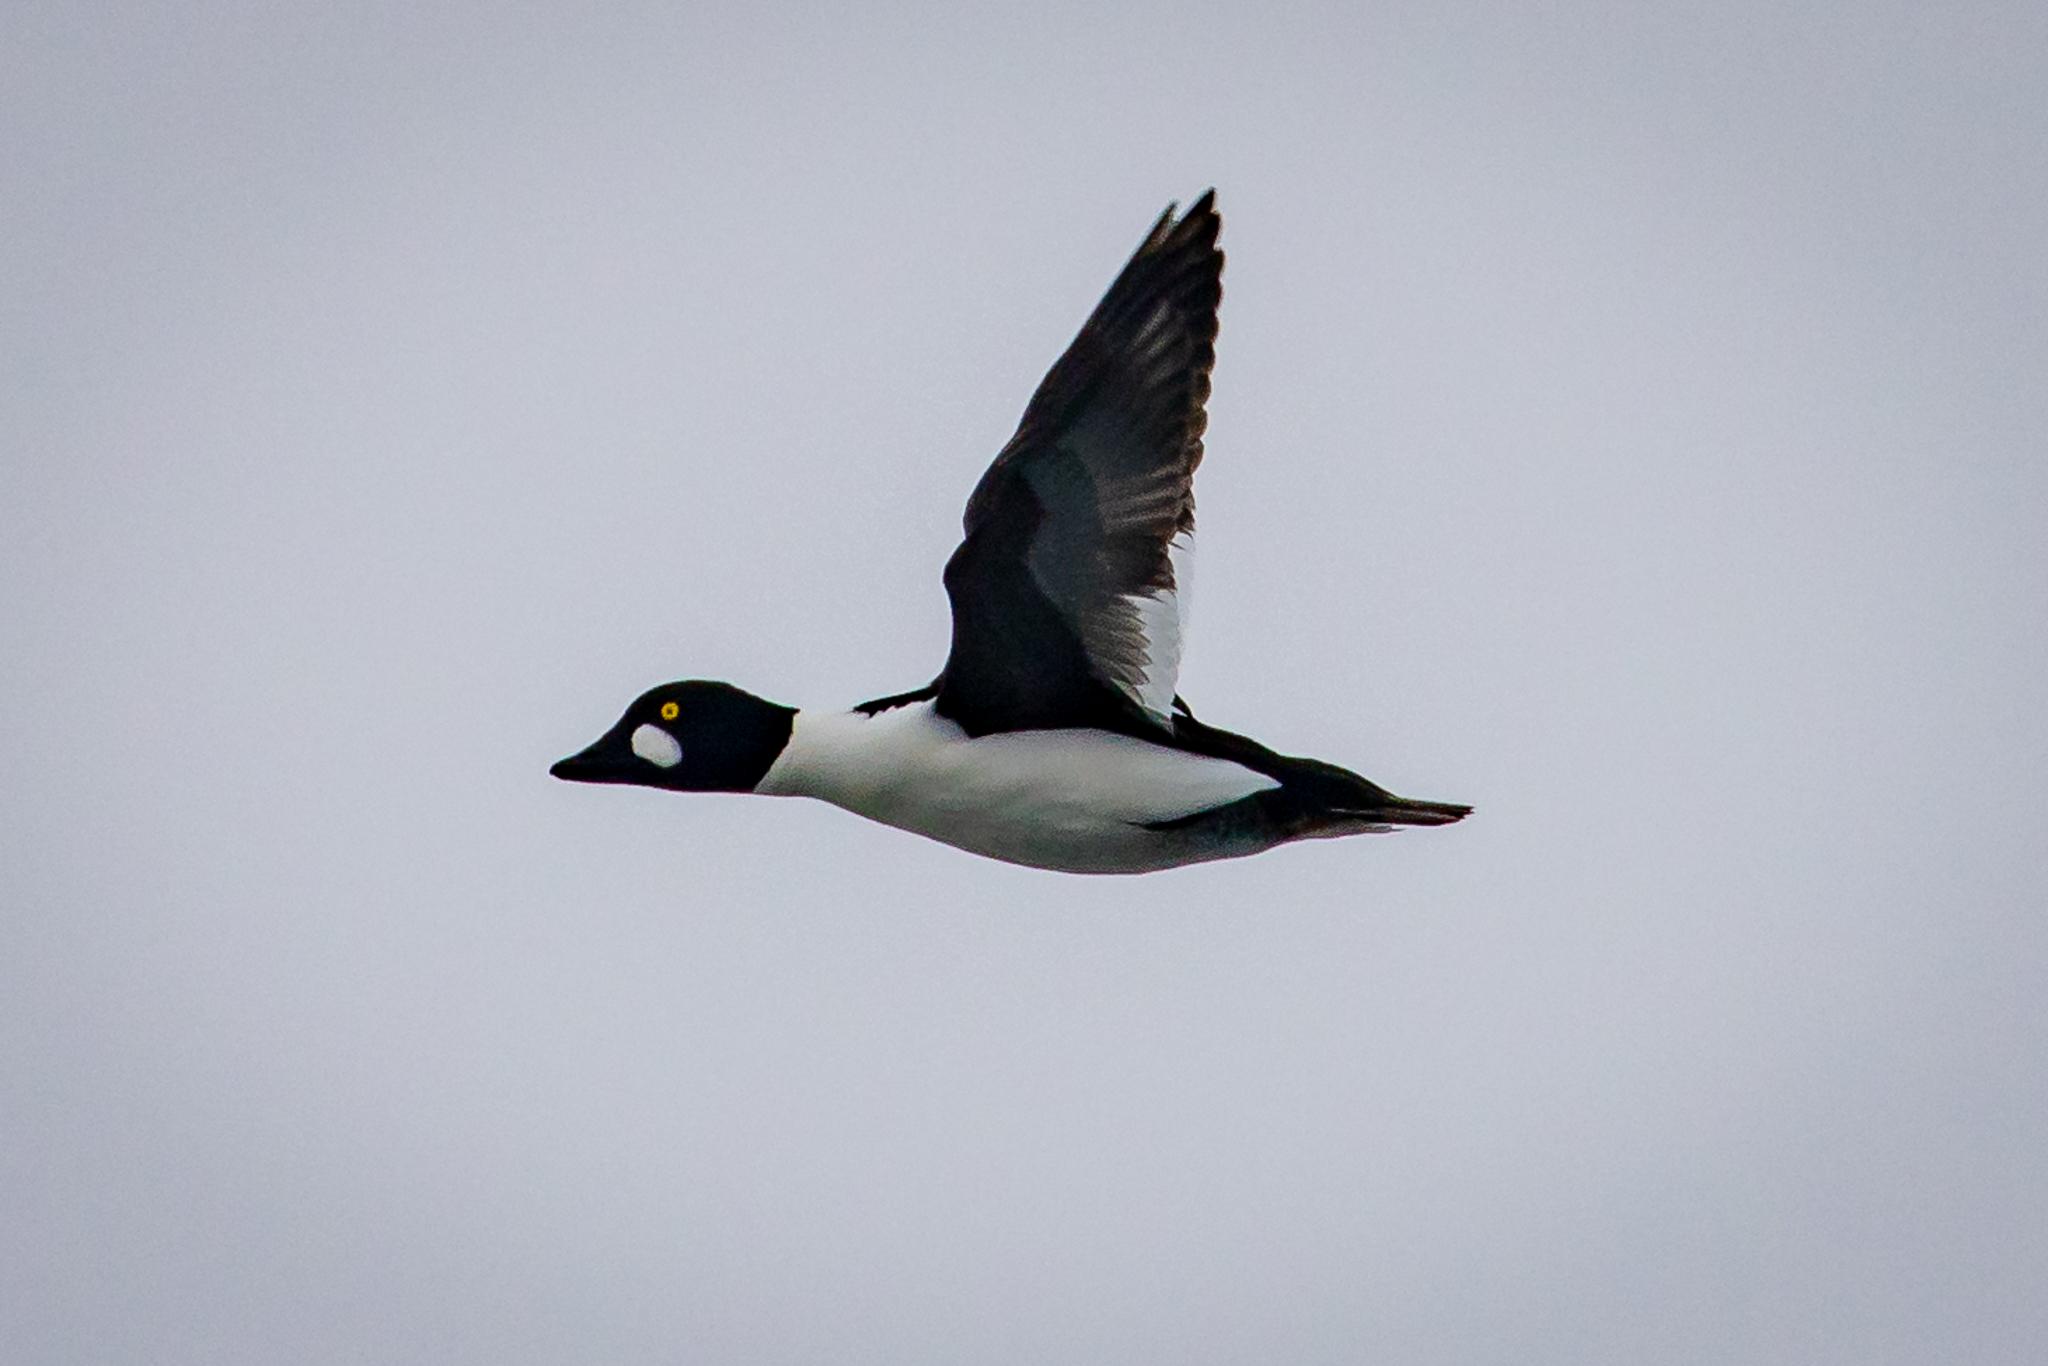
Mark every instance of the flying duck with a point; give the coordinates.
(1053, 737)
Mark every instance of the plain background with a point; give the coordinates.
(1629, 419)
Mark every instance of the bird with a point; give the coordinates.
(1053, 737)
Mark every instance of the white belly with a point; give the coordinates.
(1075, 800)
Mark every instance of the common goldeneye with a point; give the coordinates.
(1053, 737)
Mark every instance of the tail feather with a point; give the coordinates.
(1315, 800)
(1339, 796)
(1394, 810)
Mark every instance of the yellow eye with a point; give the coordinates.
(669, 710)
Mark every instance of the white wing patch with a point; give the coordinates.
(1163, 626)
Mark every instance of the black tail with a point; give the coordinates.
(1392, 810)
(1314, 797)
(1323, 798)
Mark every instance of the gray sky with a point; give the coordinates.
(1630, 422)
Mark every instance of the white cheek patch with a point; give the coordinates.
(657, 747)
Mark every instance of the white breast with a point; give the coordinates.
(1075, 800)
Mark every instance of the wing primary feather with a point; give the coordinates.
(1076, 526)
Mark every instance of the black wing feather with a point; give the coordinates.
(1077, 515)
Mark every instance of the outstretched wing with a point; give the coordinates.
(1067, 591)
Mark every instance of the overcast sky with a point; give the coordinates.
(1629, 420)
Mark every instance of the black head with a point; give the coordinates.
(693, 737)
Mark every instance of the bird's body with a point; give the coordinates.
(1080, 801)
(1053, 737)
